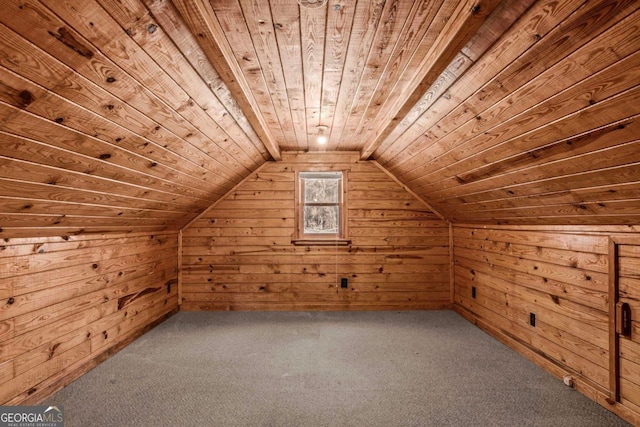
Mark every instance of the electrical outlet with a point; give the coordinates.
(532, 319)
(473, 292)
(344, 283)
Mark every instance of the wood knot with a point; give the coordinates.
(26, 98)
(111, 79)
(53, 349)
(104, 156)
(11, 300)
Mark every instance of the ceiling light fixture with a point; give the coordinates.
(312, 4)
(322, 139)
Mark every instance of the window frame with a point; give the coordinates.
(302, 238)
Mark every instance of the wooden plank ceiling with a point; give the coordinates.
(135, 115)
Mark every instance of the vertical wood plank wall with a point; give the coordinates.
(629, 293)
(240, 256)
(560, 274)
(66, 305)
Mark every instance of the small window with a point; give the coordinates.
(320, 201)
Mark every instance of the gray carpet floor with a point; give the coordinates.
(410, 368)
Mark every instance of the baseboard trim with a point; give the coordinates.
(215, 306)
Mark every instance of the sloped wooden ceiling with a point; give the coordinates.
(135, 115)
(112, 119)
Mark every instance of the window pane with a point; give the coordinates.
(321, 219)
(321, 190)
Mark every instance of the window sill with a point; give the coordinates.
(321, 242)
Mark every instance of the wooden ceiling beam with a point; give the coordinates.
(200, 17)
(460, 28)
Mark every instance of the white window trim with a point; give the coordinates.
(301, 238)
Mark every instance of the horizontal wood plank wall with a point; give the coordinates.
(240, 256)
(67, 304)
(560, 274)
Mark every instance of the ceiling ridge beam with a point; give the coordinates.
(460, 28)
(200, 18)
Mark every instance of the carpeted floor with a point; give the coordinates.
(410, 368)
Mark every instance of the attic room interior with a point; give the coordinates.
(466, 169)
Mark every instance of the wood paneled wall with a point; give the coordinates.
(240, 255)
(559, 274)
(67, 304)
